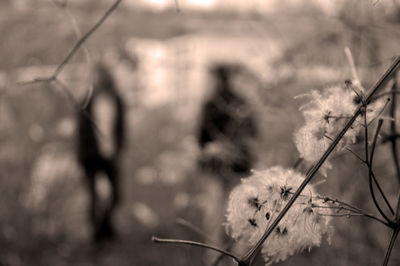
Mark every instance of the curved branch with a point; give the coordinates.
(193, 243)
(370, 162)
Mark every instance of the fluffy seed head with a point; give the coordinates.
(325, 116)
(257, 201)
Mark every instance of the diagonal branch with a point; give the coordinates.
(76, 47)
(248, 258)
(85, 37)
(390, 247)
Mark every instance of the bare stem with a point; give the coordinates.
(384, 79)
(83, 111)
(393, 127)
(380, 122)
(380, 112)
(348, 149)
(390, 247)
(372, 173)
(85, 37)
(369, 165)
(352, 208)
(78, 34)
(381, 192)
(378, 128)
(79, 43)
(194, 228)
(76, 47)
(193, 243)
(393, 131)
(391, 92)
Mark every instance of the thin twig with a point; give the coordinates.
(83, 111)
(380, 112)
(378, 128)
(366, 162)
(351, 212)
(355, 154)
(78, 34)
(390, 247)
(194, 228)
(373, 175)
(369, 165)
(348, 149)
(384, 79)
(85, 37)
(353, 208)
(348, 215)
(228, 247)
(366, 137)
(340, 202)
(393, 131)
(387, 93)
(381, 192)
(75, 48)
(78, 44)
(35, 80)
(193, 243)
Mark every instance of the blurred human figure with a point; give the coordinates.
(100, 140)
(226, 130)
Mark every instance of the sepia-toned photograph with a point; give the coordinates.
(199, 132)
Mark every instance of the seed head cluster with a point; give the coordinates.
(257, 201)
(325, 116)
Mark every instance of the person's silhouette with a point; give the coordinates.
(225, 133)
(227, 125)
(100, 140)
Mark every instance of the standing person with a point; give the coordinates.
(226, 129)
(100, 140)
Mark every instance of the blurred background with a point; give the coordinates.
(160, 59)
